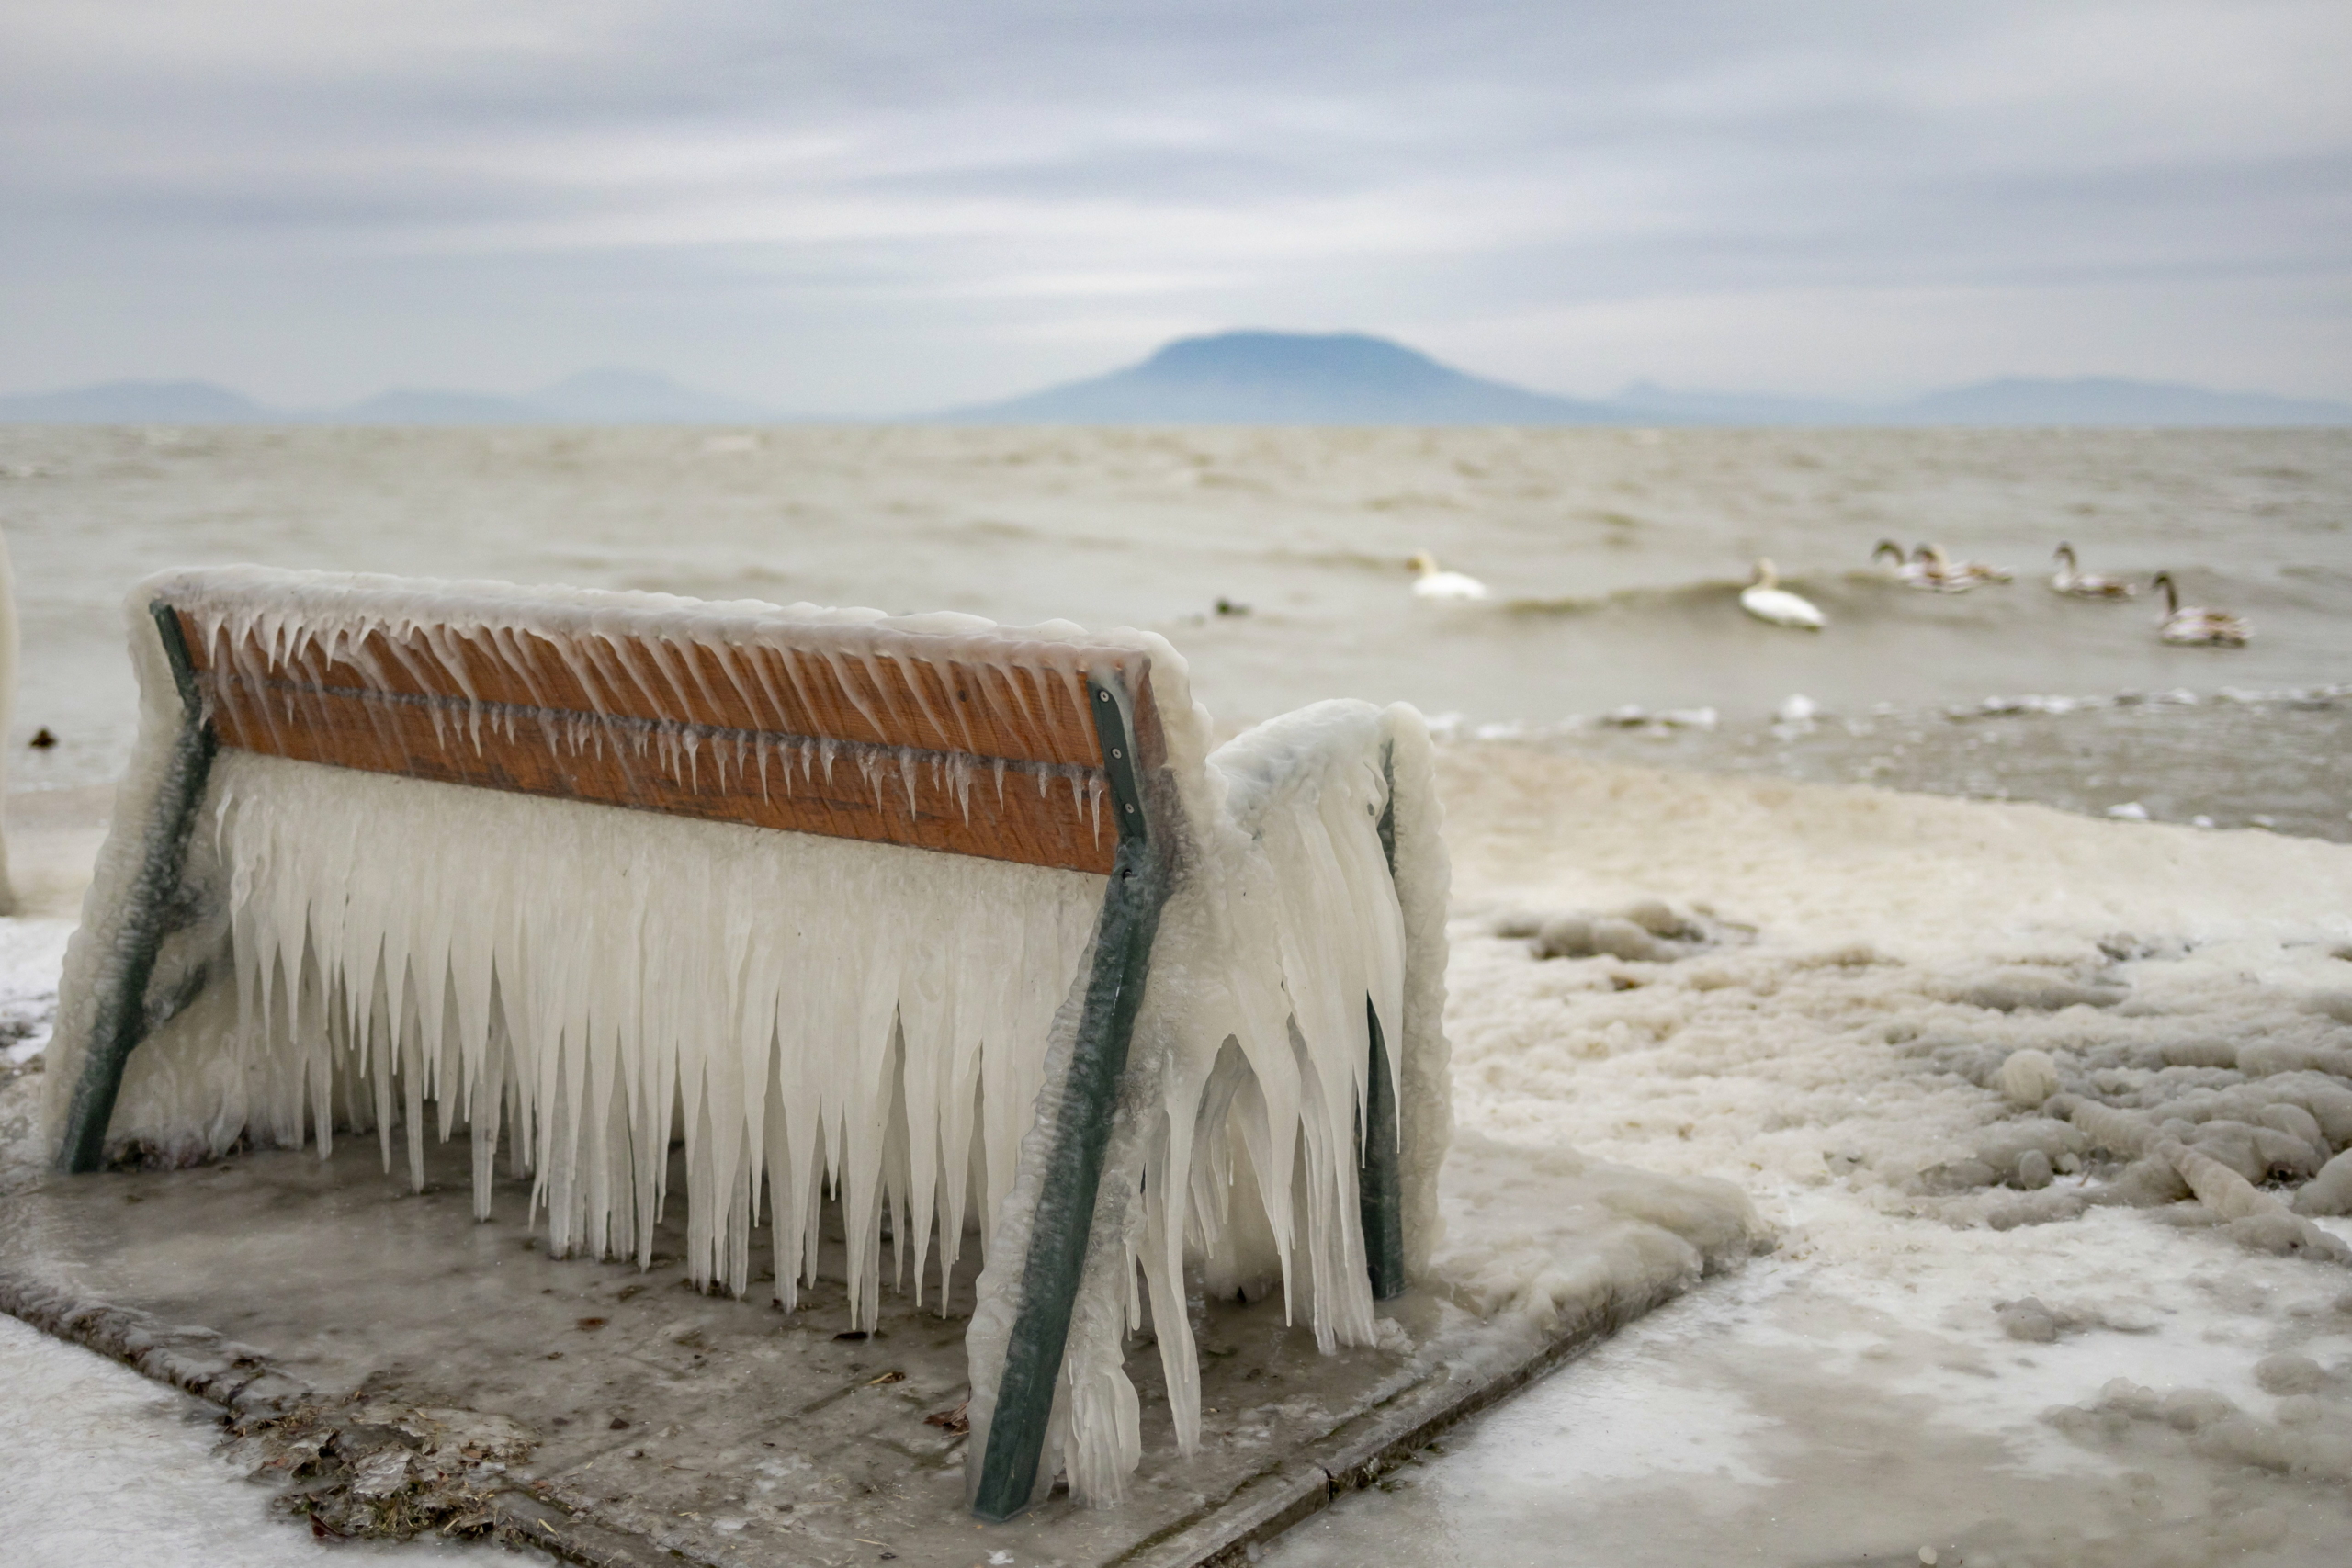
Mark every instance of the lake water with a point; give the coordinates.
(1615, 556)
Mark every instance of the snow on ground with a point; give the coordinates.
(31, 951)
(99, 1465)
(1820, 1014)
(2157, 1391)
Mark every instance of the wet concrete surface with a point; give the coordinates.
(725, 1431)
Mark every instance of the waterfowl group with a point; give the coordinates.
(1928, 567)
(1909, 570)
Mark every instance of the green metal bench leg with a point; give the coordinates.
(1379, 1185)
(1065, 1216)
(121, 1018)
(1380, 1195)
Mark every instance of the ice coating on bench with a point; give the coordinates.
(814, 1015)
(937, 731)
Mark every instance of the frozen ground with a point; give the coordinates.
(2178, 1398)
(1827, 1032)
(98, 1465)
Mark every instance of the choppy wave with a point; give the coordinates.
(2232, 757)
(1709, 592)
(1615, 565)
(1668, 597)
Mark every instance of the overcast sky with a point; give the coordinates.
(883, 206)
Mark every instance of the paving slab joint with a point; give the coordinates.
(525, 1519)
(194, 1360)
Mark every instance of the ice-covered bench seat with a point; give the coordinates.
(946, 920)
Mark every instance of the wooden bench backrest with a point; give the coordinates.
(981, 744)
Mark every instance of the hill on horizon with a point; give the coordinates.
(1268, 377)
(1235, 377)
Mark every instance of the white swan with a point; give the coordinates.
(2072, 580)
(1766, 600)
(1453, 587)
(2194, 624)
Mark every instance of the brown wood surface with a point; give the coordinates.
(842, 683)
(504, 710)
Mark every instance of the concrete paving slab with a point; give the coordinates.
(670, 1425)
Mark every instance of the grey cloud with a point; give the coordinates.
(958, 174)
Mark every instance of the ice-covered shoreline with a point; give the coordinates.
(1822, 1032)
(2125, 1385)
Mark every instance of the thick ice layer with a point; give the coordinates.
(1239, 1132)
(811, 1016)
(1832, 1029)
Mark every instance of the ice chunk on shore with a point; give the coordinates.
(2029, 1076)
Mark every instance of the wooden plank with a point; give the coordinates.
(1027, 703)
(1024, 811)
(679, 726)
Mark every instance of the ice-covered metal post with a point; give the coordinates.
(1380, 1193)
(1064, 1212)
(121, 1019)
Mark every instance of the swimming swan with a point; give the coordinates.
(2076, 584)
(1910, 573)
(1957, 577)
(1766, 600)
(1448, 586)
(2195, 625)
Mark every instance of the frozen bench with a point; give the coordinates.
(880, 914)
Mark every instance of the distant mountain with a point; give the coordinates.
(135, 402)
(591, 396)
(2110, 401)
(1256, 377)
(1249, 377)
